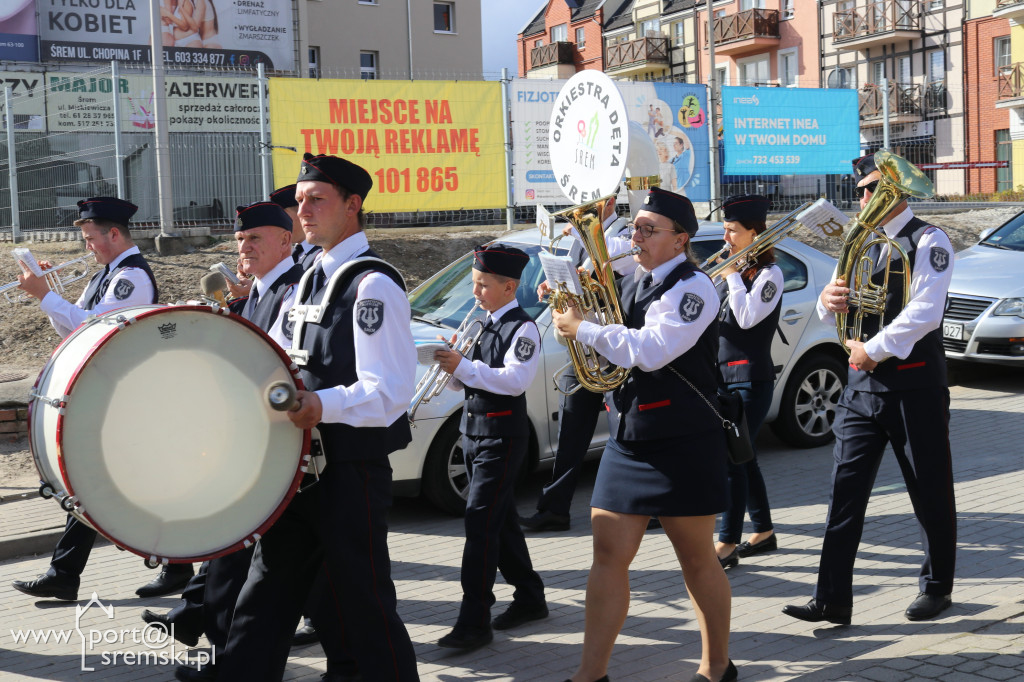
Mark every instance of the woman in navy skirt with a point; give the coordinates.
(749, 317)
(666, 456)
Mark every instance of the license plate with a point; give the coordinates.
(953, 330)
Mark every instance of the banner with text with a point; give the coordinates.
(76, 101)
(28, 100)
(789, 131)
(18, 39)
(429, 145)
(240, 33)
(674, 115)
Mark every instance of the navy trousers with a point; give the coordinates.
(340, 521)
(494, 539)
(74, 547)
(747, 492)
(916, 423)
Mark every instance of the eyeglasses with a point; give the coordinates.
(647, 231)
(870, 187)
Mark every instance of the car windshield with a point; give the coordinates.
(1009, 236)
(447, 297)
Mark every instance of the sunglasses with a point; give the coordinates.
(647, 231)
(870, 187)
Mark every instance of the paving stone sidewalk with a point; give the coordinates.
(980, 638)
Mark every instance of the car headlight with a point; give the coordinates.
(1010, 306)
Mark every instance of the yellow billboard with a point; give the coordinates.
(428, 145)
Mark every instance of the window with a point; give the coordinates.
(678, 33)
(560, 33)
(538, 43)
(650, 28)
(903, 70)
(936, 66)
(1004, 152)
(788, 12)
(444, 17)
(751, 4)
(368, 66)
(788, 68)
(844, 5)
(935, 4)
(754, 72)
(314, 62)
(722, 74)
(877, 72)
(842, 77)
(581, 38)
(1001, 50)
(367, 2)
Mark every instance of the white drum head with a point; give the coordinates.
(168, 442)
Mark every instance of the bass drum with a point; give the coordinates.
(157, 426)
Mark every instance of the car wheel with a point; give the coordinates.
(445, 476)
(808, 406)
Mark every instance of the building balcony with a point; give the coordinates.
(636, 57)
(1011, 86)
(1009, 9)
(750, 31)
(555, 53)
(904, 103)
(879, 22)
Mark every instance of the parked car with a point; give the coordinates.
(984, 316)
(810, 366)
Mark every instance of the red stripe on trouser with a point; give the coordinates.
(337, 608)
(499, 414)
(487, 541)
(373, 569)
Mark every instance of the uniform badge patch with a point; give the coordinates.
(525, 348)
(370, 315)
(123, 289)
(939, 258)
(690, 307)
(288, 328)
(769, 291)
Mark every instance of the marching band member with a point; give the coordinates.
(898, 394)
(578, 412)
(304, 253)
(125, 280)
(747, 322)
(495, 434)
(666, 455)
(359, 370)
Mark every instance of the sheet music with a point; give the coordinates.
(824, 219)
(561, 270)
(23, 255)
(425, 352)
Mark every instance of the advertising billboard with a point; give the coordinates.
(28, 100)
(674, 116)
(18, 39)
(195, 33)
(429, 145)
(789, 131)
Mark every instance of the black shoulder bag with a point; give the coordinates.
(733, 419)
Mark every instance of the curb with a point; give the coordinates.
(24, 544)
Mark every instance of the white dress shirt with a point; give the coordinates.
(511, 379)
(749, 308)
(385, 361)
(928, 288)
(65, 316)
(665, 335)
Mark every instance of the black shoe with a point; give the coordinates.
(184, 636)
(516, 614)
(307, 634)
(928, 606)
(730, 561)
(816, 611)
(466, 639)
(341, 677)
(183, 673)
(49, 586)
(170, 581)
(545, 520)
(654, 523)
(769, 544)
(730, 675)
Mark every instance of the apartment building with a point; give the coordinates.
(1007, 56)
(563, 37)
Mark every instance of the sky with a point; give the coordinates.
(502, 21)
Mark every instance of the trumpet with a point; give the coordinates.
(435, 379)
(57, 278)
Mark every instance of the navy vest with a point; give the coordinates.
(659, 405)
(97, 288)
(746, 354)
(332, 362)
(925, 367)
(491, 414)
(308, 258)
(269, 304)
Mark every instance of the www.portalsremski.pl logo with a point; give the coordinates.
(113, 646)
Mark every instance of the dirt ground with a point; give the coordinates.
(27, 339)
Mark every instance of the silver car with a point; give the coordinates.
(810, 366)
(984, 316)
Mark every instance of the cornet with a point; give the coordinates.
(56, 278)
(435, 379)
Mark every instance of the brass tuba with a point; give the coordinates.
(900, 179)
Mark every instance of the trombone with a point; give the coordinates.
(747, 256)
(57, 278)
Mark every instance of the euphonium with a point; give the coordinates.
(747, 256)
(900, 179)
(435, 379)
